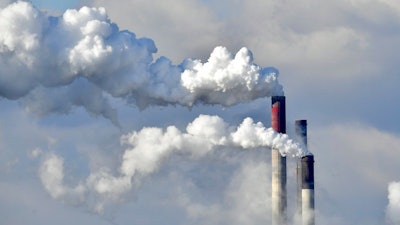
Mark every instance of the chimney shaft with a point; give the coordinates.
(307, 191)
(278, 164)
(301, 137)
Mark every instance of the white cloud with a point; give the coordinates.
(35, 153)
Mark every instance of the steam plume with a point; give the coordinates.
(39, 54)
(149, 147)
(393, 209)
(51, 174)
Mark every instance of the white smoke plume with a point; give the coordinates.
(51, 174)
(39, 54)
(148, 148)
(393, 208)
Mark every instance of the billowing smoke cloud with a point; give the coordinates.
(393, 209)
(148, 148)
(40, 53)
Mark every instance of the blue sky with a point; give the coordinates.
(56, 5)
(338, 67)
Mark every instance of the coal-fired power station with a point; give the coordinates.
(305, 171)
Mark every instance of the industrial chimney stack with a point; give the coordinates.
(307, 191)
(305, 178)
(301, 137)
(279, 202)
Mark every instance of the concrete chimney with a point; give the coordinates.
(307, 191)
(278, 164)
(301, 136)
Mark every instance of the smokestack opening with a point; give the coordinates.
(278, 114)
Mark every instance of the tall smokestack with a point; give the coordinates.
(307, 191)
(279, 202)
(301, 136)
